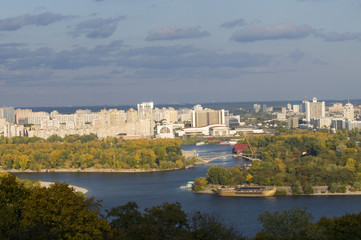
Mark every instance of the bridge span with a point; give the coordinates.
(209, 158)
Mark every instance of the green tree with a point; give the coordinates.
(55, 138)
(199, 184)
(290, 224)
(218, 175)
(210, 227)
(167, 221)
(12, 195)
(341, 228)
(58, 212)
(308, 189)
(126, 223)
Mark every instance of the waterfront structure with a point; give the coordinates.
(247, 192)
(245, 131)
(239, 148)
(218, 129)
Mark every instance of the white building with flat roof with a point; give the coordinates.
(314, 109)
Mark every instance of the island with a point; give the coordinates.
(303, 162)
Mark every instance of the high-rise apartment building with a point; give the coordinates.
(257, 108)
(349, 112)
(314, 109)
(8, 113)
(296, 108)
(145, 110)
(293, 122)
(208, 117)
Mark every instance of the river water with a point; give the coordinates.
(150, 189)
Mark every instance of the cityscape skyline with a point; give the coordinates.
(149, 121)
(124, 52)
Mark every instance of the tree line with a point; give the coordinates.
(86, 151)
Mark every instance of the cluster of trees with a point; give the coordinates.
(76, 151)
(58, 212)
(302, 160)
(296, 223)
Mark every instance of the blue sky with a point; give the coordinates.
(88, 52)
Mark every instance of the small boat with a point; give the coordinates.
(247, 192)
(189, 185)
(189, 166)
(200, 143)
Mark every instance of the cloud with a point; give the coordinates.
(238, 22)
(339, 37)
(296, 55)
(174, 33)
(97, 28)
(319, 62)
(272, 32)
(14, 57)
(43, 19)
(178, 57)
(17, 57)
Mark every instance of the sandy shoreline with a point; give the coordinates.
(76, 188)
(89, 170)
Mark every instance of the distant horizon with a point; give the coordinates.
(190, 103)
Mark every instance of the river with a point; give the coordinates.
(150, 189)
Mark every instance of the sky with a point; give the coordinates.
(120, 52)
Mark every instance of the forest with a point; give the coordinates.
(302, 159)
(87, 151)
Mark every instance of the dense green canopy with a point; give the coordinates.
(87, 151)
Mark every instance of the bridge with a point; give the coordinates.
(209, 158)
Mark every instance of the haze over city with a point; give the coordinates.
(124, 52)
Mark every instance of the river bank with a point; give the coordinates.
(76, 188)
(318, 191)
(89, 170)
